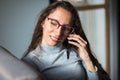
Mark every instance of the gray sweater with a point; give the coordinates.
(53, 63)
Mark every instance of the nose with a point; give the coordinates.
(58, 31)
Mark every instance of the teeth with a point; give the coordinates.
(54, 38)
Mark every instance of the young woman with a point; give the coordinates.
(59, 48)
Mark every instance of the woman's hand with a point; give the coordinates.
(80, 46)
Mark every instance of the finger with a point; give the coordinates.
(77, 36)
(74, 43)
(76, 40)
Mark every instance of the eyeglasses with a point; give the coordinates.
(55, 25)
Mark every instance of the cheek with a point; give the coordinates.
(46, 28)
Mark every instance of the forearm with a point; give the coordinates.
(91, 70)
(89, 65)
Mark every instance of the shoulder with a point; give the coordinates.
(31, 54)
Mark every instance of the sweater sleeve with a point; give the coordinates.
(91, 75)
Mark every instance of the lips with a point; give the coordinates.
(55, 39)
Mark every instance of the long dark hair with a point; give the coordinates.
(75, 22)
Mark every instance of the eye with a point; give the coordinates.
(54, 23)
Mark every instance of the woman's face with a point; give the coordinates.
(56, 27)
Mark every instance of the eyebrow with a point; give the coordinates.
(57, 21)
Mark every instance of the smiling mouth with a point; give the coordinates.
(55, 39)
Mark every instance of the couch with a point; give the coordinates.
(12, 68)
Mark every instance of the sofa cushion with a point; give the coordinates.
(12, 68)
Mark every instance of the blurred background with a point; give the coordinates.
(99, 19)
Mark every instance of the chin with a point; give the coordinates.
(54, 44)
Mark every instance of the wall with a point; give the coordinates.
(93, 23)
(17, 21)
